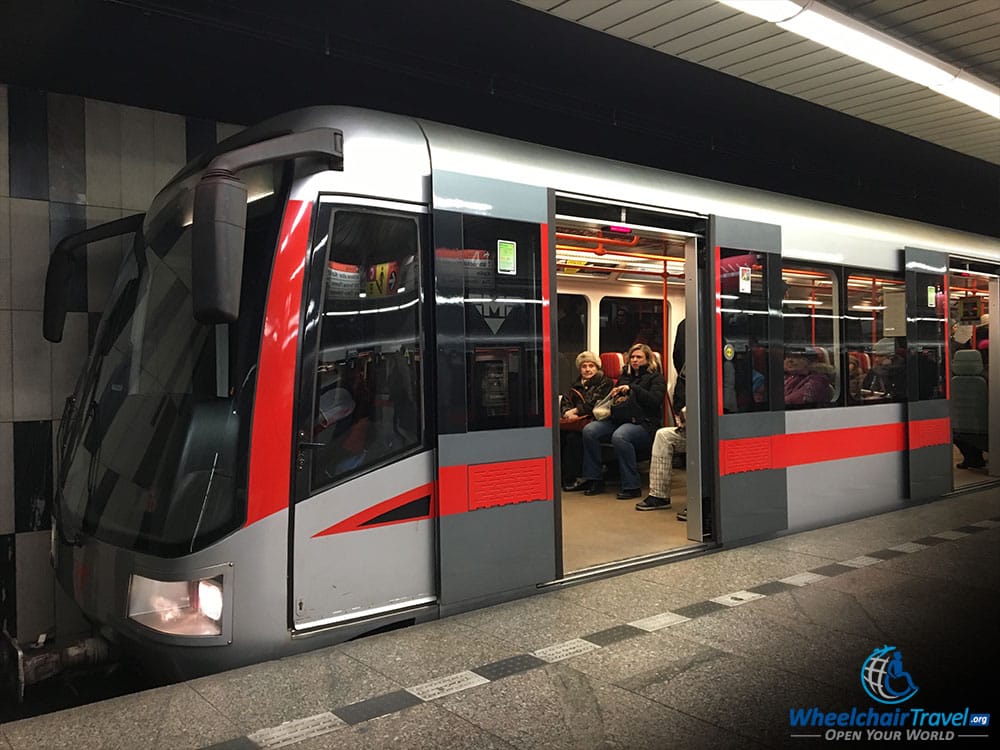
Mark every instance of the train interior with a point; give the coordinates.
(620, 280)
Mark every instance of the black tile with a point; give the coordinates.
(380, 705)
(699, 609)
(771, 587)
(970, 529)
(886, 554)
(834, 569)
(66, 219)
(930, 541)
(238, 743)
(8, 591)
(27, 134)
(67, 149)
(200, 134)
(507, 667)
(613, 635)
(32, 475)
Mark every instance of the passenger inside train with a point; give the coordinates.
(803, 385)
(886, 380)
(576, 412)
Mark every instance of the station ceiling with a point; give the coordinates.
(553, 73)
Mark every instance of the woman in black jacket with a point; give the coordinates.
(635, 417)
(577, 409)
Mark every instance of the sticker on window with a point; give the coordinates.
(507, 257)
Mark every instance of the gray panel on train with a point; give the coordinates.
(842, 418)
(750, 425)
(835, 491)
(495, 445)
(739, 233)
(485, 197)
(495, 554)
(752, 504)
(930, 466)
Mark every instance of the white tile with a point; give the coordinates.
(986, 523)
(565, 650)
(32, 367)
(736, 598)
(658, 622)
(68, 358)
(5, 278)
(860, 562)
(295, 731)
(29, 252)
(6, 367)
(34, 581)
(170, 139)
(447, 685)
(803, 579)
(950, 534)
(138, 158)
(909, 547)
(4, 140)
(6, 477)
(104, 153)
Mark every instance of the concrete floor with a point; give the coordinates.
(709, 652)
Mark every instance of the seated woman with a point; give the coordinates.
(635, 417)
(577, 409)
(803, 386)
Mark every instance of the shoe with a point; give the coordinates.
(971, 465)
(652, 502)
(628, 494)
(682, 515)
(578, 486)
(595, 487)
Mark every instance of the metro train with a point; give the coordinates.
(323, 398)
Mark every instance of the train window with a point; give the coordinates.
(926, 344)
(810, 308)
(572, 335)
(503, 322)
(743, 292)
(368, 404)
(628, 320)
(875, 337)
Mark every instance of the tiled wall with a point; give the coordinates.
(66, 163)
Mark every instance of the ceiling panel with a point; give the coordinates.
(964, 33)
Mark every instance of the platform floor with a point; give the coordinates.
(709, 652)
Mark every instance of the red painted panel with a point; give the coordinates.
(546, 323)
(357, 521)
(271, 431)
(929, 432)
(507, 483)
(799, 449)
(744, 454)
(453, 490)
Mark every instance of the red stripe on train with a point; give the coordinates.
(271, 433)
(358, 520)
(799, 449)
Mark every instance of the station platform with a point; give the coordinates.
(731, 649)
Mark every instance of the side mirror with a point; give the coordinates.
(220, 222)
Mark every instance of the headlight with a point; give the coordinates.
(177, 607)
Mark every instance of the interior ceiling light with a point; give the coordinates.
(837, 31)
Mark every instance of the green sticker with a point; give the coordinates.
(507, 257)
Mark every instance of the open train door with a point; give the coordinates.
(927, 374)
(740, 377)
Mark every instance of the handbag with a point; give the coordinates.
(574, 425)
(602, 409)
(626, 409)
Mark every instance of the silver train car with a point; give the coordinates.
(323, 399)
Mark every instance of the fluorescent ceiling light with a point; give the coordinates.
(837, 31)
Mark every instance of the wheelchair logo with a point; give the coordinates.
(883, 676)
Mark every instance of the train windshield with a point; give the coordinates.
(154, 459)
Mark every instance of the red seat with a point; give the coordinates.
(612, 364)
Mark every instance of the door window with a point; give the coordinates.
(367, 404)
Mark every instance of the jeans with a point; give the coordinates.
(626, 439)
